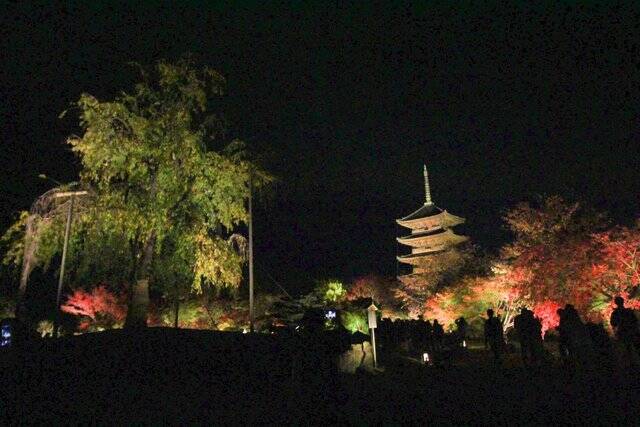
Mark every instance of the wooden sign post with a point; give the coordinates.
(373, 324)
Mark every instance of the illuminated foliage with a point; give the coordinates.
(12, 241)
(227, 268)
(331, 291)
(440, 271)
(547, 312)
(45, 328)
(379, 289)
(619, 267)
(498, 291)
(355, 321)
(162, 173)
(554, 251)
(445, 306)
(98, 308)
(549, 223)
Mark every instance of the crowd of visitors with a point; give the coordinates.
(418, 336)
(579, 343)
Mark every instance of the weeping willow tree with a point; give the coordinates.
(167, 189)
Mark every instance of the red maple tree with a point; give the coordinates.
(99, 307)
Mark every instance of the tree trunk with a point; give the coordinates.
(139, 299)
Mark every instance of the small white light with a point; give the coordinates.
(464, 343)
(244, 330)
(330, 314)
(425, 357)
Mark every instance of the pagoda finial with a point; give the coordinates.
(427, 189)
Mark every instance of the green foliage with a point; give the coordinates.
(148, 157)
(45, 328)
(191, 313)
(216, 262)
(354, 321)
(12, 241)
(162, 179)
(331, 291)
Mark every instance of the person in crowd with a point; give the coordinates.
(438, 335)
(563, 346)
(428, 334)
(537, 346)
(625, 326)
(493, 337)
(529, 331)
(461, 329)
(523, 325)
(601, 342)
(578, 340)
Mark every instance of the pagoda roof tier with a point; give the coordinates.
(430, 216)
(432, 238)
(427, 209)
(417, 258)
(414, 275)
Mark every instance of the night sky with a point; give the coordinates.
(345, 103)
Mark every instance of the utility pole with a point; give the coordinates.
(251, 318)
(67, 232)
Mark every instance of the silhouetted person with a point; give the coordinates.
(578, 340)
(563, 346)
(461, 329)
(417, 335)
(523, 324)
(601, 341)
(428, 329)
(493, 334)
(536, 339)
(625, 326)
(438, 334)
(529, 330)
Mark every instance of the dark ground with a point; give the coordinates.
(186, 377)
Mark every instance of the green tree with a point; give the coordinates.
(331, 291)
(162, 176)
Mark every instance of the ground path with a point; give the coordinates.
(186, 377)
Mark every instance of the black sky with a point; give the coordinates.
(346, 103)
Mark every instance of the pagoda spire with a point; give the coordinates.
(427, 189)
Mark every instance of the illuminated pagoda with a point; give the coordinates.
(431, 232)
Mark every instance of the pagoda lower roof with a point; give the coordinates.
(430, 232)
(432, 238)
(416, 258)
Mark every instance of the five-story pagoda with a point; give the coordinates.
(431, 232)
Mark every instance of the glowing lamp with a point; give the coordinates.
(425, 357)
(464, 343)
(5, 335)
(330, 314)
